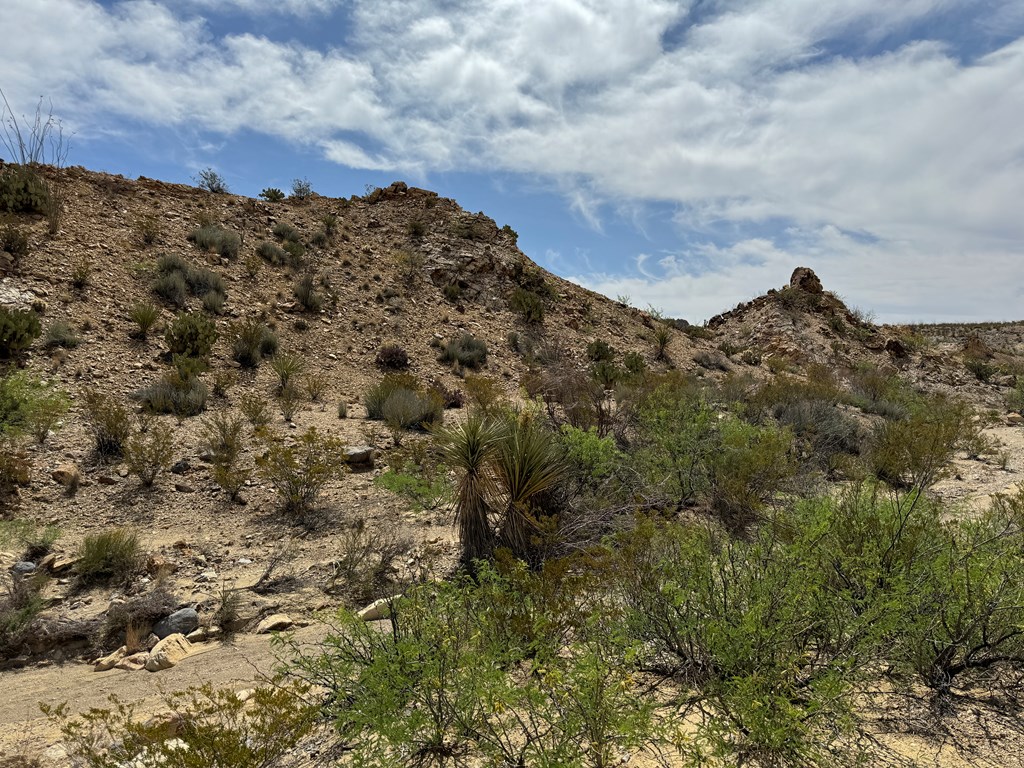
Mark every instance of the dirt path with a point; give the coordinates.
(24, 729)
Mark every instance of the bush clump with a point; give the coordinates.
(177, 280)
(149, 453)
(14, 240)
(300, 471)
(272, 195)
(306, 293)
(111, 556)
(400, 401)
(191, 334)
(18, 329)
(110, 423)
(179, 391)
(529, 304)
(465, 351)
(252, 341)
(392, 357)
(60, 334)
(217, 239)
(23, 190)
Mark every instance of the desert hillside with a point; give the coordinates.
(202, 439)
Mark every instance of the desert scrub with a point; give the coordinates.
(465, 351)
(177, 280)
(191, 334)
(287, 367)
(144, 315)
(29, 405)
(399, 399)
(392, 357)
(18, 329)
(222, 439)
(59, 333)
(209, 180)
(179, 391)
(255, 409)
(218, 727)
(272, 195)
(306, 293)
(300, 471)
(149, 453)
(108, 557)
(110, 423)
(528, 304)
(14, 240)
(252, 341)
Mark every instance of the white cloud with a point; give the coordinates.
(739, 114)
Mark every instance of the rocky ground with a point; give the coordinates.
(403, 267)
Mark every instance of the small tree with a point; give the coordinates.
(211, 181)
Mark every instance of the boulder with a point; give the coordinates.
(22, 569)
(278, 622)
(377, 610)
(359, 455)
(178, 623)
(66, 475)
(896, 348)
(168, 652)
(805, 280)
(134, 662)
(111, 661)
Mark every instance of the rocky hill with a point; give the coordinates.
(351, 290)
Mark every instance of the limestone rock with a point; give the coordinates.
(66, 475)
(278, 622)
(377, 610)
(111, 661)
(134, 662)
(178, 623)
(168, 652)
(805, 280)
(359, 455)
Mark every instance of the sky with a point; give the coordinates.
(687, 155)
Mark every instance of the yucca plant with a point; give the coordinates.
(470, 448)
(529, 463)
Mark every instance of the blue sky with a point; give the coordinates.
(686, 154)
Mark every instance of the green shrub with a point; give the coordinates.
(222, 439)
(29, 405)
(272, 253)
(635, 363)
(15, 242)
(110, 423)
(20, 605)
(307, 295)
(272, 195)
(192, 335)
(18, 329)
(149, 453)
(147, 229)
(528, 304)
(413, 408)
(172, 288)
(982, 369)
(284, 231)
(213, 302)
(211, 181)
(600, 351)
(215, 727)
(452, 292)
(465, 351)
(1015, 398)
(60, 334)
(252, 342)
(296, 253)
(255, 409)
(329, 222)
(299, 472)
(179, 391)
(212, 237)
(108, 557)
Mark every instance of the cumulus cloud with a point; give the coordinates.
(772, 126)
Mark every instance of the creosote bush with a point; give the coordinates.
(149, 453)
(110, 423)
(222, 438)
(300, 470)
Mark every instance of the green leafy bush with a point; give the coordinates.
(272, 195)
(149, 453)
(109, 421)
(600, 350)
(179, 391)
(465, 351)
(412, 408)
(18, 329)
(222, 439)
(299, 472)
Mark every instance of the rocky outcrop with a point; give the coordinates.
(805, 280)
